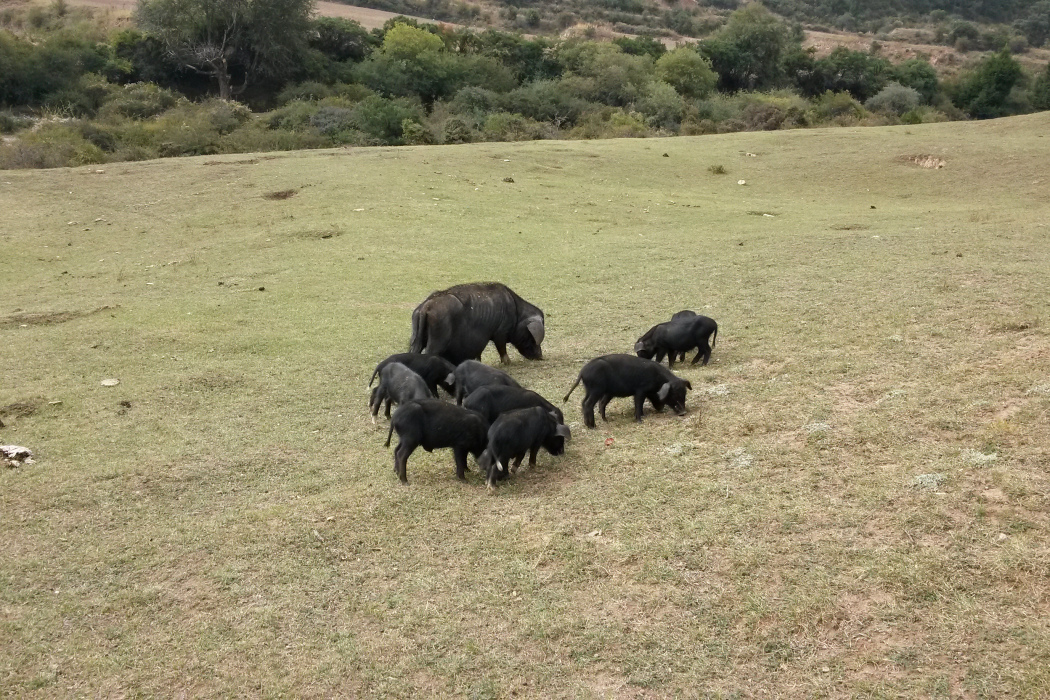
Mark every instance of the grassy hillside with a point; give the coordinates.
(856, 504)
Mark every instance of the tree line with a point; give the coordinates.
(76, 92)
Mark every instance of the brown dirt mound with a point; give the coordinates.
(282, 194)
(927, 161)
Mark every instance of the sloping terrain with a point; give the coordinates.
(855, 505)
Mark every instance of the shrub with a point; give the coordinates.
(11, 122)
(139, 101)
(609, 123)
(555, 101)
(224, 115)
(414, 133)
(456, 131)
(763, 116)
(383, 119)
(662, 106)
(53, 145)
(894, 99)
(836, 106)
(503, 126)
(332, 120)
(689, 73)
(294, 116)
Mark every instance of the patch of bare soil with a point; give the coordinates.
(282, 194)
(45, 318)
(927, 161)
(246, 161)
(20, 409)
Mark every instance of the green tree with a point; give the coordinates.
(227, 38)
(919, 75)
(687, 72)
(413, 61)
(856, 72)
(747, 53)
(983, 93)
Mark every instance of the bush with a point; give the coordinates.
(53, 145)
(503, 126)
(224, 115)
(894, 99)
(555, 101)
(294, 116)
(139, 101)
(11, 122)
(689, 73)
(609, 123)
(383, 119)
(662, 106)
(456, 131)
(332, 120)
(839, 107)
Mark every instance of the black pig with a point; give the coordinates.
(397, 384)
(471, 375)
(433, 424)
(610, 376)
(678, 336)
(491, 401)
(436, 371)
(516, 432)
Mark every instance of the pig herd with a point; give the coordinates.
(494, 418)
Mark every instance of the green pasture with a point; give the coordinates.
(856, 504)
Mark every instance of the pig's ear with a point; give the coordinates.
(563, 431)
(664, 391)
(451, 378)
(688, 385)
(639, 346)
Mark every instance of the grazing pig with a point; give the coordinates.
(397, 384)
(684, 313)
(471, 375)
(457, 323)
(678, 336)
(433, 424)
(436, 371)
(516, 432)
(610, 376)
(491, 401)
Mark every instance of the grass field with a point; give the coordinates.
(856, 505)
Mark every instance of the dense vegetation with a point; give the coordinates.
(76, 92)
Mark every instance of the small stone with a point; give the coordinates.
(741, 182)
(508, 179)
(1002, 536)
(110, 382)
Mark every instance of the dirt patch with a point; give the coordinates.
(281, 194)
(926, 161)
(21, 409)
(46, 318)
(850, 227)
(322, 234)
(246, 161)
